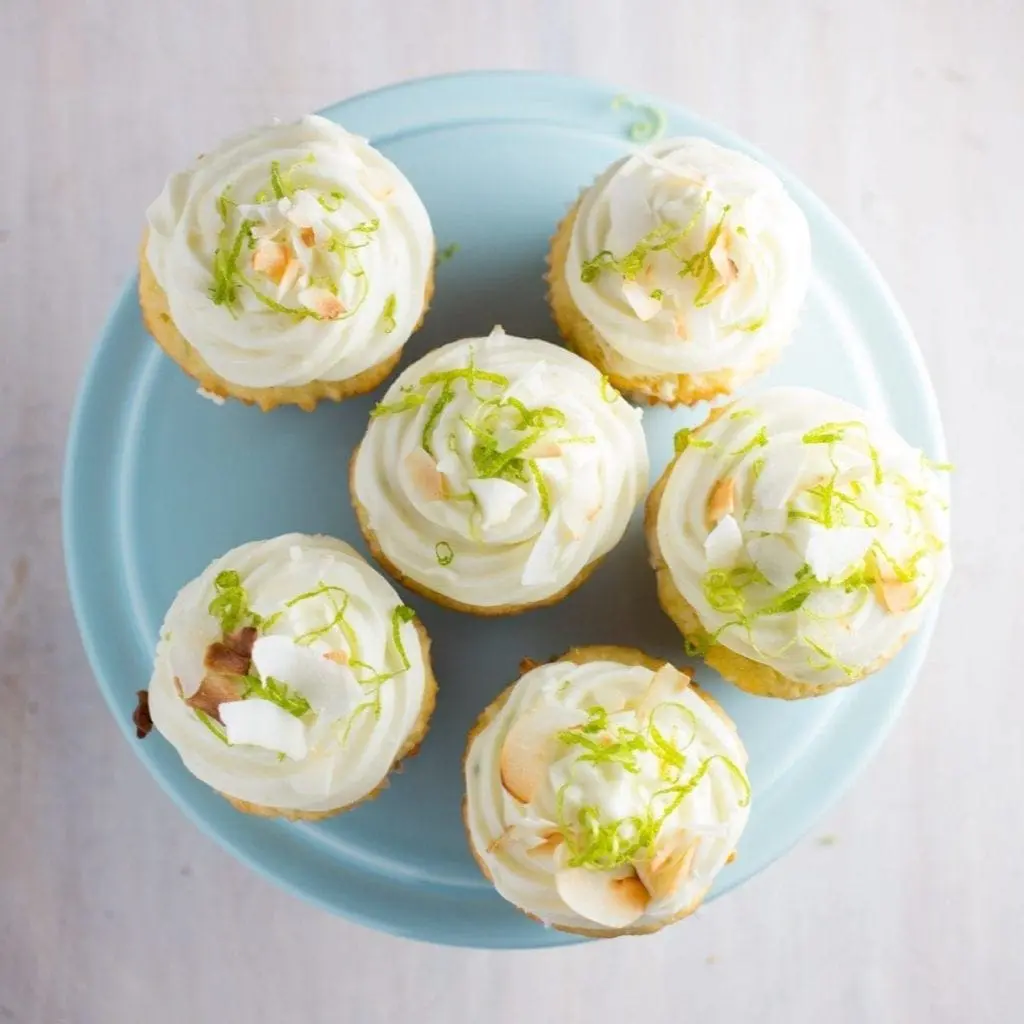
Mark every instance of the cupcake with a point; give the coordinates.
(798, 542)
(604, 792)
(681, 271)
(289, 265)
(291, 678)
(496, 472)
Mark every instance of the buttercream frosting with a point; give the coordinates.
(496, 469)
(807, 535)
(330, 684)
(291, 254)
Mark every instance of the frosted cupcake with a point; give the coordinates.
(496, 472)
(681, 271)
(291, 678)
(798, 542)
(604, 792)
(289, 265)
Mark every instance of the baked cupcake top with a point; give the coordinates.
(605, 793)
(289, 674)
(496, 469)
(291, 254)
(689, 258)
(806, 534)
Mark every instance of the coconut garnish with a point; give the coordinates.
(832, 552)
(724, 543)
(496, 498)
(261, 723)
(610, 901)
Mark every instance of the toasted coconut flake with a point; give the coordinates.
(550, 842)
(425, 477)
(271, 258)
(324, 303)
(543, 450)
(721, 500)
(669, 867)
(261, 723)
(666, 685)
(723, 544)
(640, 301)
(497, 499)
(831, 552)
(682, 331)
(216, 688)
(895, 596)
(220, 658)
(527, 665)
(308, 236)
(338, 657)
(288, 278)
(604, 899)
(530, 746)
(140, 716)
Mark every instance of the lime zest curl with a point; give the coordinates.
(602, 846)
(388, 313)
(276, 692)
(443, 553)
(651, 123)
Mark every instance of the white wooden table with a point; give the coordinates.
(905, 905)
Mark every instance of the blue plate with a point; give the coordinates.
(159, 481)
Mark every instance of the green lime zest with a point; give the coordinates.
(608, 393)
(442, 400)
(444, 553)
(231, 603)
(470, 374)
(332, 201)
(213, 725)
(445, 254)
(702, 268)
(388, 313)
(276, 182)
(830, 433)
(651, 123)
(411, 401)
(226, 272)
(401, 615)
(629, 266)
(278, 693)
(680, 792)
(829, 660)
(658, 294)
(751, 325)
(368, 227)
(299, 312)
(542, 488)
(759, 440)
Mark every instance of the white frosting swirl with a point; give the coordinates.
(706, 260)
(496, 469)
(833, 521)
(333, 232)
(317, 598)
(524, 846)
